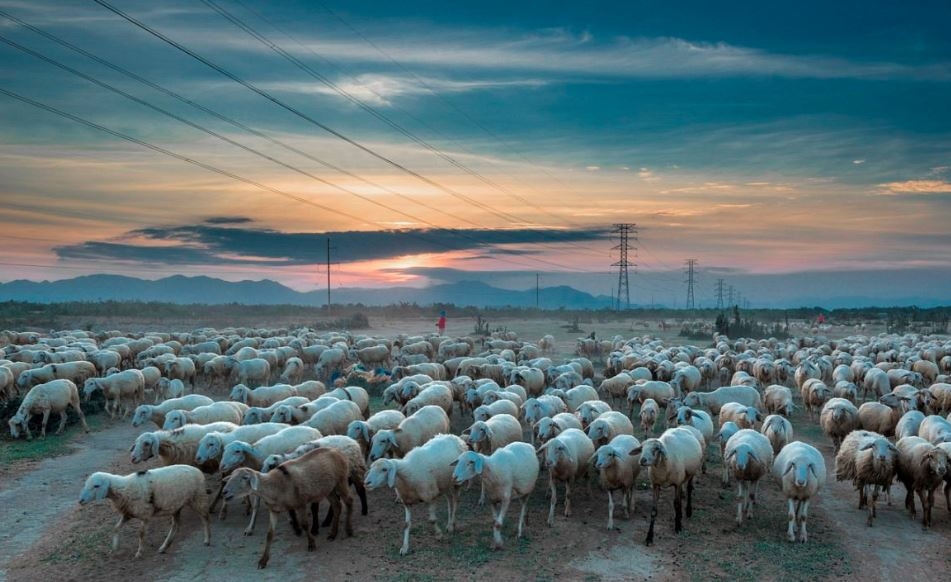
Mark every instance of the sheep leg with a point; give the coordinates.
(138, 552)
(521, 517)
(335, 508)
(348, 522)
(266, 553)
(216, 499)
(254, 516)
(791, 514)
(432, 520)
(650, 530)
(725, 479)
(407, 523)
(678, 508)
(628, 502)
(452, 503)
(176, 518)
(803, 515)
(554, 500)
(690, 497)
(610, 509)
(568, 498)
(947, 495)
(314, 518)
(115, 533)
(362, 494)
(46, 417)
(499, 518)
(740, 502)
(62, 422)
(925, 509)
(305, 519)
(328, 519)
(910, 501)
(205, 516)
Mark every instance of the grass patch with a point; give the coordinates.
(20, 450)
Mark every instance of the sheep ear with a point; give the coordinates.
(636, 451)
(454, 463)
(732, 454)
(478, 464)
(255, 481)
(754, 457)
(391, 477)
(812, 469)
(866, 447)
(789, 468)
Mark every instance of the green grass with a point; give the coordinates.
(14, 451)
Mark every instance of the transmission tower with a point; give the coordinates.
(691, 263)
(730, 293)
(720, 294)
(625, 232)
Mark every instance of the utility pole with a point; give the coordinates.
(328, 276)
(691, 263)
(625, 231)
(729, 295)
(536, 290)
(720, 294)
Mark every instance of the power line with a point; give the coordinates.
(719, 294)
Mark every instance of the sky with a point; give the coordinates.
(796, 150)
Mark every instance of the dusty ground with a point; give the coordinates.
(46, 535)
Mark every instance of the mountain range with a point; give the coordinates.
(187, 290)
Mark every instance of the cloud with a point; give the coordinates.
(858, 162)
(216, 243)
(228, 220)
(380, 90)
(918, 187)
(592, 168)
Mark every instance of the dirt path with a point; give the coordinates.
(33, 500)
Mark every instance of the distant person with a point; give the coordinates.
(441, 324)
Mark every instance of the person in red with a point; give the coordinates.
(441, 324)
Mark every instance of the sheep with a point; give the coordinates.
(649, 413)
(244, 454)
(743, 416)
(509, 473)
(257, 414)
(578, 395)
(212, 445)
(362, 431)
(487, 411)
(748, 456)
(814, 396)
(54, 396)
(590, 410)
(433, 394)
(166, 389)
(909, 424)
(181, 369)
(154, 493)
(487, 436)
(870, 461)
(618, 469)
(422, 476)
(661, 392)
(223, 411)
(801, 472)
(549, 427)
(261, 397)
(941, 391)
(534, 409)
(778, 430)
(252, 372)
(411, 433)
(727, 430)
(922, 467)
(176, 447)
(335, 418)
(293, 372)
(616, 386)
(847, 390)
(293, 486)
(607, 426)
(712, 401)
(673, 460)
(126, 384)
(157, 412)
(935, 429)
(355, 394)
(311, 389)
(778, 400)
(876, 382)
(566, 458)
(838, 418)
(697, 419)
(877, 417)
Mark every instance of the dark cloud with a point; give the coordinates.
(214, 242)
(228, 220)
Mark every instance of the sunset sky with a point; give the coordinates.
(444, 141)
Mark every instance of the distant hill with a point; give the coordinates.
(185, 290)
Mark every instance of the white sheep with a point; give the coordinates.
(487, 411)
(566, 458)
(870, 462)
(154, 493)
(814, 396)
(549, 427)
(212, 445)
(157, 412)
(801, 472)
(54, 396)
(649, 413)
(128, 384)
(223, 411)
(590, 410)
(712, 401)
(435, 394)
(838, 418)
(609, 425)
(778, 430)
(411, 433)
(355, 394)
(935, 429)
(176, 447)
(618, 469)
(672, 459)
(909, 424)
(727, 430)
(263, 396)
(749, 456)
(244, 454)
(335, 418)
(922, 467)
(778, 400)
(743, 416)
(166, 389)
(487, 436)
(257, 414)
(509, 473)
(302, 412)
(362, 431)
(422, 476)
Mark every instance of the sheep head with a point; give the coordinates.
(382, 472)
(605, 457)
(467, 466)
(652, 452)
(96, 488)
(145, 447)
(241, 483)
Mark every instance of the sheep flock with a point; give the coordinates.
(308, 426)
